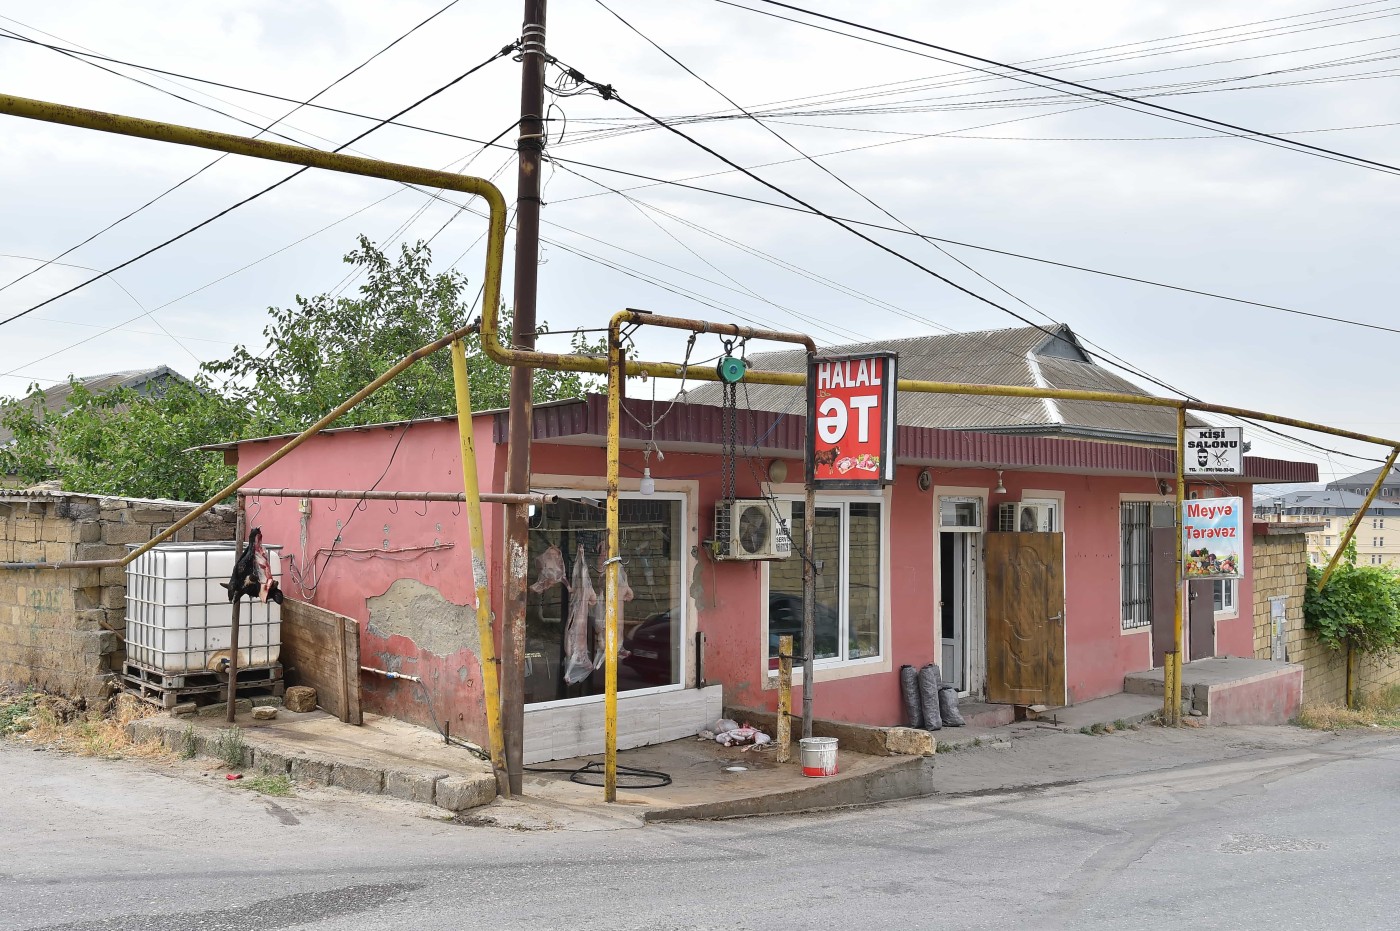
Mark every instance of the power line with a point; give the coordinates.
(1091, 93)
(981, 248)
(607, 92)
(501, 54)
(222, 156)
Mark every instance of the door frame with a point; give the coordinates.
(975, 646)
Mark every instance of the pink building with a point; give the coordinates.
(1031, 568)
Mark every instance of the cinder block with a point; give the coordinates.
(412, 786)
(458, 793)
(358, 778)
(311, 772)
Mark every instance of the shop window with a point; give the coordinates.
(846, 542)
(651, 626)
(1225, 590)
(1135, 564)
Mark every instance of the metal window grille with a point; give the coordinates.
(1136, 564)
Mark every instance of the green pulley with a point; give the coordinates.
(731, 370)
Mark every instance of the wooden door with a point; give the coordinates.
(1201, 607)
(1025, 618)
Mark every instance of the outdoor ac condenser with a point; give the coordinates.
(1017, 517)
(750, 528)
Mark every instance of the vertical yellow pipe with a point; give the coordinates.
(490, 672)
(784, 698)
(1178, 631)
(1357, 518)
(610, 586)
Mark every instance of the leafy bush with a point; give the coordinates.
(1359, 607)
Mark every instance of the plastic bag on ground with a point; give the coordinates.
(928, 698)
(578, 663)
(724, 724)
(909, 690)
(948, 706)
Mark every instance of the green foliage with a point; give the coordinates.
(228, 745)
(1360, 607)
(317, 353)
(268, 784)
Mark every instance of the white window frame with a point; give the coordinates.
(1230, 598)
(1055, 503)
(683, 495)
(836, 668)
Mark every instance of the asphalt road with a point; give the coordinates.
(1231, 828)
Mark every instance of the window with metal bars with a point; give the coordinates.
(1135, 563)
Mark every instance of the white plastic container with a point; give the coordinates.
(818, 756)
(178, 616)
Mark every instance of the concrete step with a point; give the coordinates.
(1230, 690)
(985, 714)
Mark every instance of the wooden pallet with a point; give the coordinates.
(167, 691)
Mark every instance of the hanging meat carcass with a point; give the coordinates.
(578, 664)
(550, 564)
(600, 610)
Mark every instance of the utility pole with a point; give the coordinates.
(516, 562)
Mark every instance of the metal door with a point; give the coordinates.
(1164, 583)
(1025, 618)
(1201, 602)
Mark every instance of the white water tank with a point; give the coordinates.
(178, 616)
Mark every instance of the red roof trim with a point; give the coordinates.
(703, 424)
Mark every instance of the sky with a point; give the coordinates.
(911, 143)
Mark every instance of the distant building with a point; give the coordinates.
(1378, 536)
(153, 382)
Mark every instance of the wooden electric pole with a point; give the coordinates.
(515, 561)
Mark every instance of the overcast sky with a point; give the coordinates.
(989, 162)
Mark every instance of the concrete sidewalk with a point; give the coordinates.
(384, 756)
(390, 757)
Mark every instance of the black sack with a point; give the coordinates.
(948, 706)
(909, 690)
(928, 697)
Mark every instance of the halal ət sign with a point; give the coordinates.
(851, 420)
(1214, 451)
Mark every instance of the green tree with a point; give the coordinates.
(1359, 609)
(317, 353)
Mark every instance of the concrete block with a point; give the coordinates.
(274, 762)
(458, 793)
(909, 741)
(358, 778)
(412, 786)
(241, 706)
(300, 698)
(114, 533)
(311, 772)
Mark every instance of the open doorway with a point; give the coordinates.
(958, 610)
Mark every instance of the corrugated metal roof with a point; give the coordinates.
(988, 357)
(55, 397)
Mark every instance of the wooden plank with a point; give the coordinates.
(1025, 618)
(350, 638)
(318, 647)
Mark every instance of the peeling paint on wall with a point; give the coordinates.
(419, 612)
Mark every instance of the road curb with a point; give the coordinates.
(452, 791)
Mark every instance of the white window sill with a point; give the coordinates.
(1228, 615)
(830, 672)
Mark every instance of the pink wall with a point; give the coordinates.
(727, 595)
(426, 460)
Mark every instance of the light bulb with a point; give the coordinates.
(648, 486)
(1001, 488)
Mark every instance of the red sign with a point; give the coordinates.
(851, 420)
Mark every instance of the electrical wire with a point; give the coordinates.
(222, 156)
(498, 55)
(1087, 92)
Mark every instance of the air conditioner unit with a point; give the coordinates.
(749, 528)
(1016, 517)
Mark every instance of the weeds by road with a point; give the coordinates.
(1379, 710)
(59, 723)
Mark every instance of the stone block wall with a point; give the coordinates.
(62, 629)
(1280, 568)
